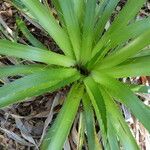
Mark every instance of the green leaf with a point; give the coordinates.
(36, 54)
(129, 50)
(136, 60)
(81, 129)
(123, 35)
(36, 84)
(139, 88)
(105, 11)
(48, 22)
(20, 69)
(124, 95)
(118, 124)
(112, 137)
(79, 8)
(144, 52)
(133, 69)
(28, 34)
(126, 14)
(19, 5)
(62, 125)
(56, 5)
(72, 25)
(95, 59)
(59, 11)
(88, 31)
(93, 143)
(98, 104)
(121, 21)
(131, 31)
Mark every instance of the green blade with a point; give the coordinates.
(28, 35)
(119, 125)
(139, 88)
(129, 70)
(35, 54)
(129, 50)
(57, 6)
(88, 31)
(35, 84)
(112, 137)
(93, 143)
(97, 100)
(48, 22)
(123, 35)
(123, 94)
(72, 25)
(19, 5)
(79, 8)
(98, 104)
(136, 60)
(12, 70)
(144, 52)
(62, 125)
(131, 31)
(81, 128)
(105, 11)
(59, 11)
(127, 13)
(121, 21)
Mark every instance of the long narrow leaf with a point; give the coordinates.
(48, 22)
(20, 69)
(21, 7)
(131, 49)
(28, 35)
(144, 52)
(88, 31)
(93, 143)
(139, 88)
(79, 7)
(56, 5)
(131, 31)
(63, 123)
(117, 121)
(32, 53)
(105, 12)
(112, 137)
(98, 104)
(129, 70)
(127, 13)
(81, 129)
(35, 84)
(72, 25)
(123, 35)
(123, 94)
(122, 20)
(59, 11)
(136, 60)
(97, 100)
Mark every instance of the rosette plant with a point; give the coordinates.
(94, 57)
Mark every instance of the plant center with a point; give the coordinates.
(83, 70)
